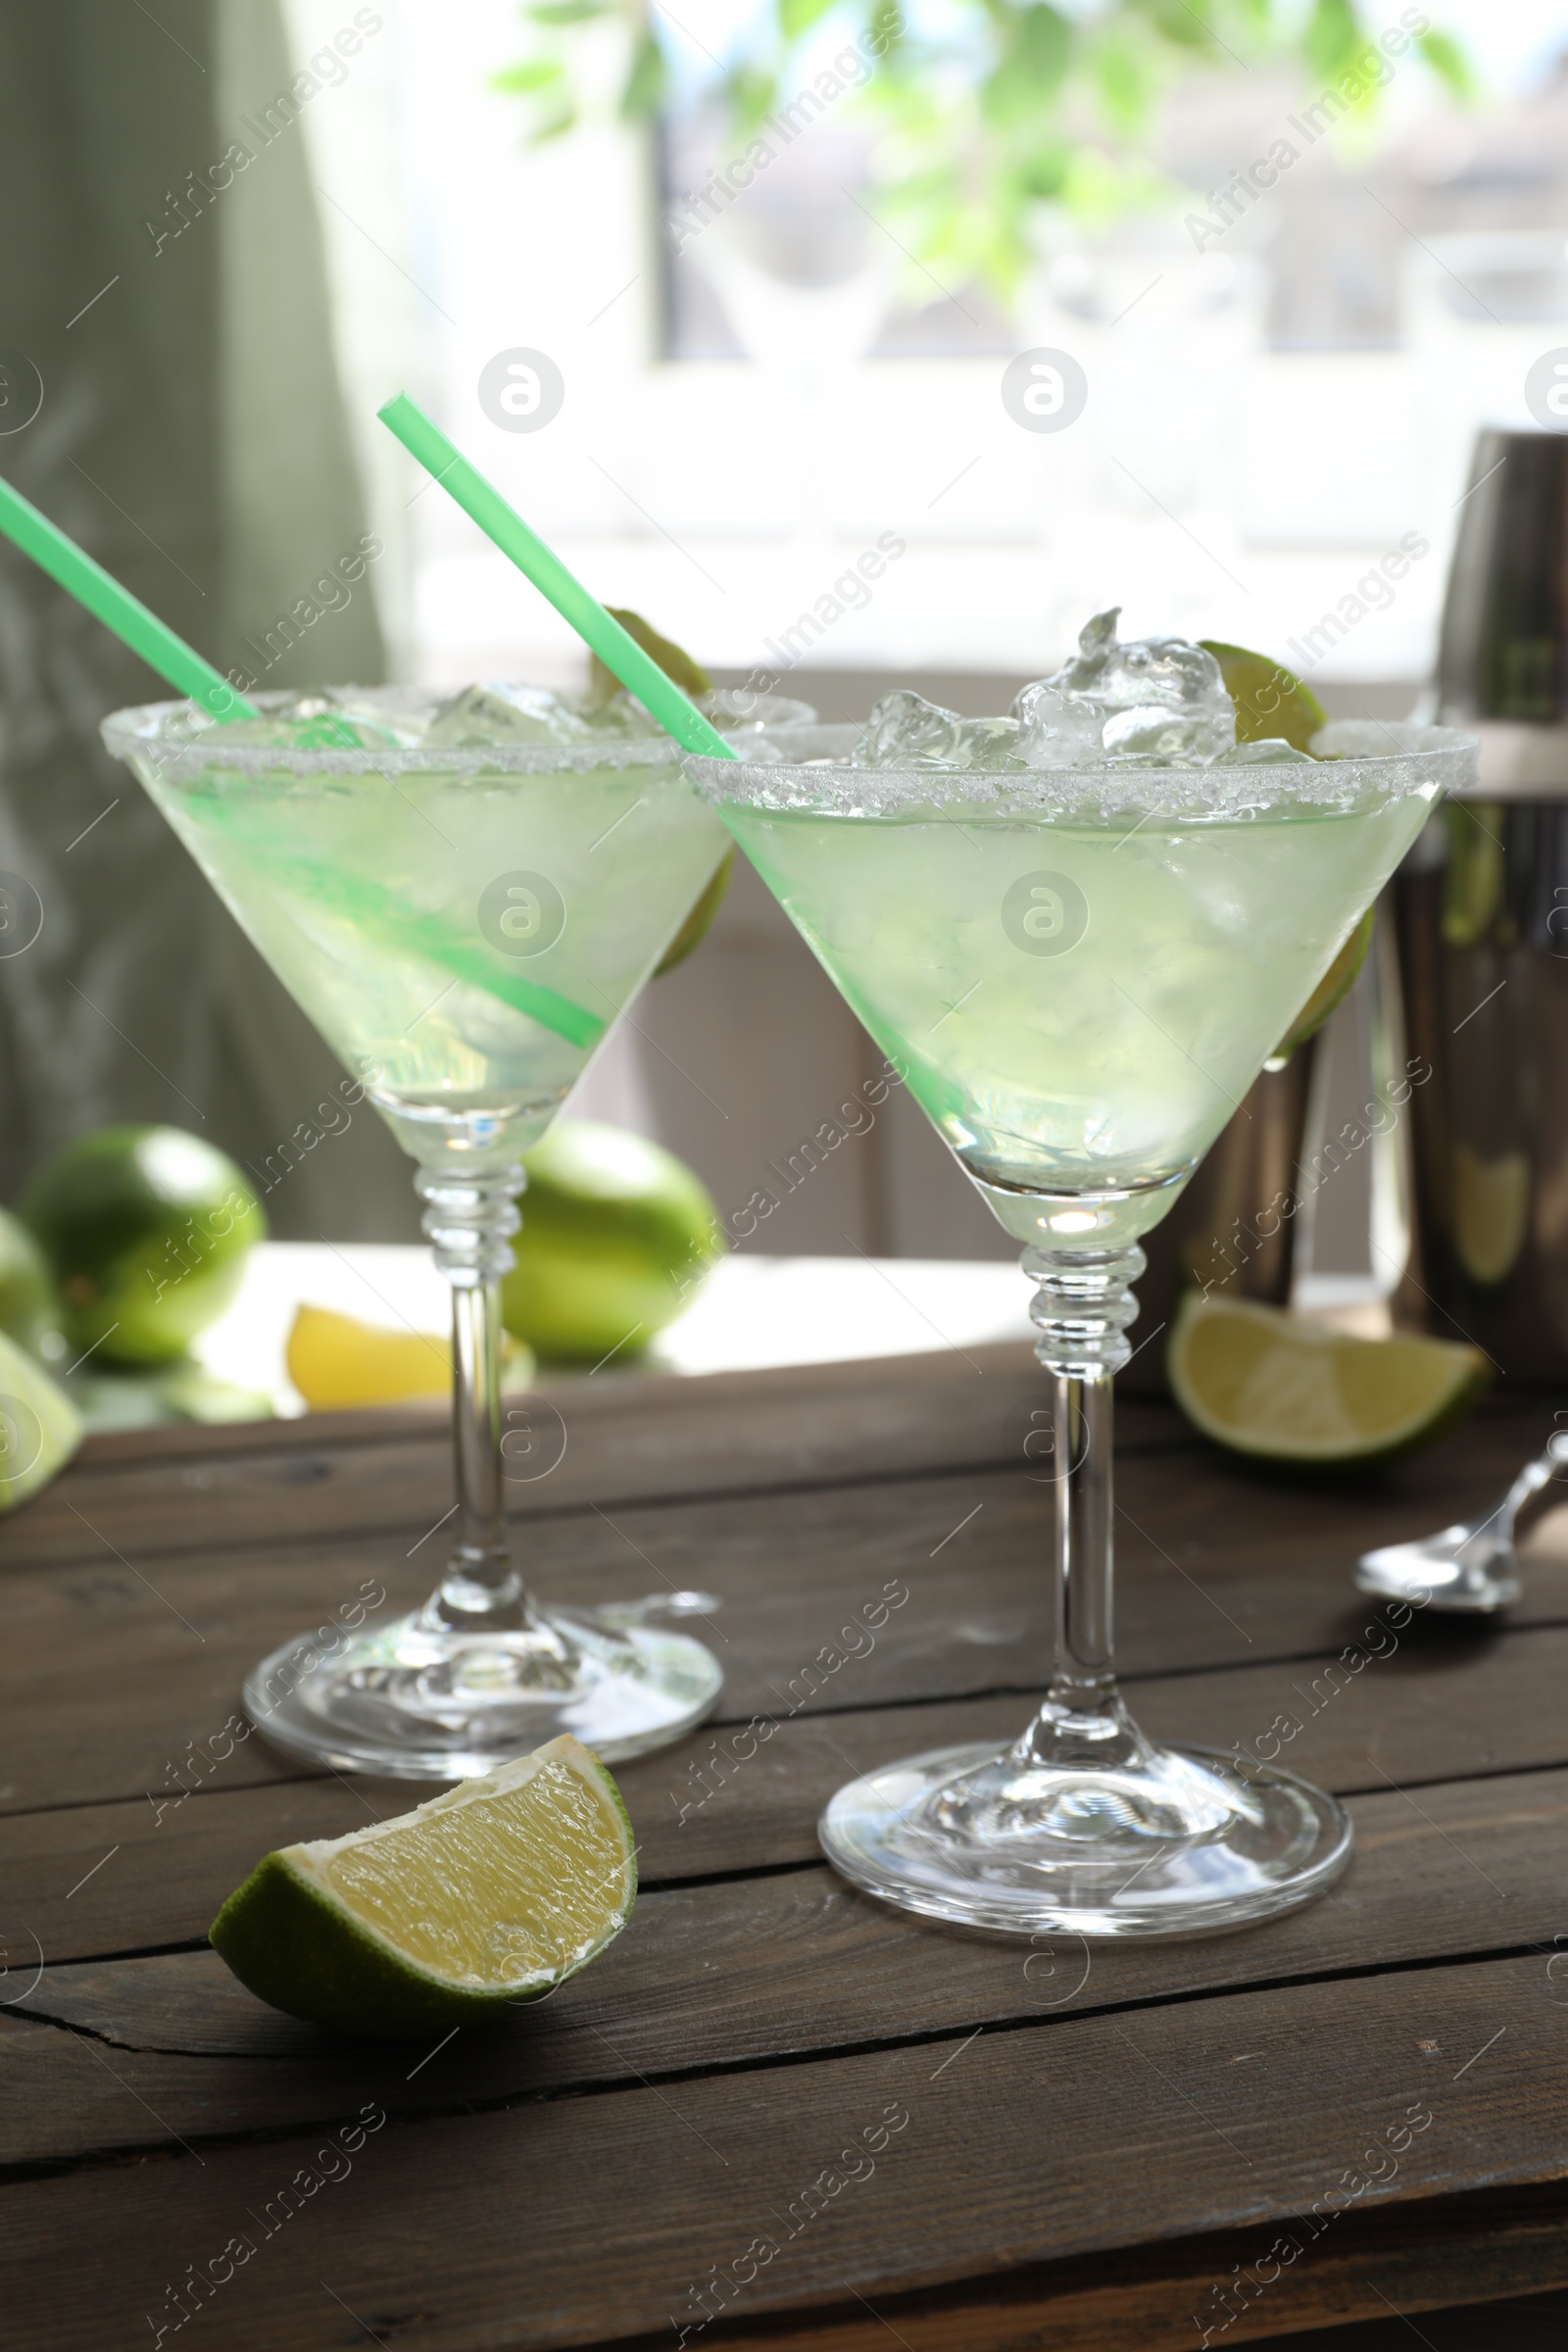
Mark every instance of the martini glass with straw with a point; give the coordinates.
(1079, 970)
(403, 890)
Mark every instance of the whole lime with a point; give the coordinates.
(616, 1235)
(30, 1304)
(147, 1231)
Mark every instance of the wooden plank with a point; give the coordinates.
(577, 2221)
(1397, 2260)
(651, 1436)
(114, 1672)
(96, 1879)
(604, 1441)
(730, 1974)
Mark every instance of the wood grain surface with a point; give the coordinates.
(970, 2142)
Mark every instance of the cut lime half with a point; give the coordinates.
(40, 1428)
(485, 1899)
(1265, 1383)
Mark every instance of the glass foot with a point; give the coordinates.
(422, 1700)
(1167, 1842)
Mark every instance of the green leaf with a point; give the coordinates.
(886, 26)
(1449, 62)
(1332, 37)
(567, 12)
(534, 73)
(752, 91)
(645, 83)
(1042, 48)
(797, 17)
(554, 125)
(1043, 172)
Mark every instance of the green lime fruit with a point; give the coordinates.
(1265, 1383)
(40, 1428)
(617, 1234)
(695, 929)
(1271, 701)
(29, 1304)
(147, 1230)
(1330, 990)
(483, 1899)
(672, 658)
(603, 686)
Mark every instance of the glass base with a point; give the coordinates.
(420, 1701)
(1171, 1842)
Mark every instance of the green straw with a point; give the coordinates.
(637, 672)
(125, 615)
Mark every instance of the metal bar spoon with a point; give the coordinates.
(1472, 1566)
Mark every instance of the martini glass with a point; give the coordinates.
(1078, 976)
(462, 912)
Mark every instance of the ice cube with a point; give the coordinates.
(1168, 671)
(501, 712)
(1267, 750)
(1055, 730)
(1158, 735)
(989, 743)
(311, 730)
(905, 730)
(1160, 702)
(622, 714)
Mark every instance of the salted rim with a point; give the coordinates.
(181, 741)
(1363, 761)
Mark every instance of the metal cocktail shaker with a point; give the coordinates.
(1481, 911)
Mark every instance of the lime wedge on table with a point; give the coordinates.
(1264, 1382)
(40, 1428)
(486, 1898)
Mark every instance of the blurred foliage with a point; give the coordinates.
(988, 109)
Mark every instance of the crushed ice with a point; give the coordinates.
(1160, 702)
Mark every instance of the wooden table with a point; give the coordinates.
(1049, 2148)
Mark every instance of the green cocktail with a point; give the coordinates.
(1079, 933)
(1078, 1006)
(463, 894)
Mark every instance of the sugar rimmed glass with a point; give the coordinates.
(1079, 975)
(463, 923)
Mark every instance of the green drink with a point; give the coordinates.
(462, 939)
(463, 896)
(1078, 1006)
(1079, 932)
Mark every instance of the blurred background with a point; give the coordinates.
(720, 301)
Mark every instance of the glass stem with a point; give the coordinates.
(471, 1220)
(1082, 1309)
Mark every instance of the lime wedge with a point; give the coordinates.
(675, 663)
(1264, 1382)
(1330, 990)
(693, 930)
(488, 1896)
(1269, 698)
(40, 1428)
(673, 659)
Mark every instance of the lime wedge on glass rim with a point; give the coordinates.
(1264, 1382)
(478, 1903)
(1271, 700)
(675, 663)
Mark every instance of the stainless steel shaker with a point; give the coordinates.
(1481, 909)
